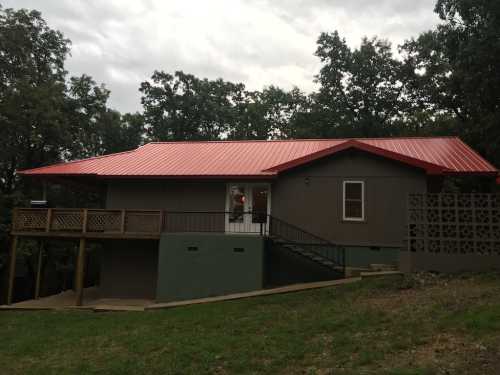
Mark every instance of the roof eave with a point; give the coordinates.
(263, 176)
(472, 173)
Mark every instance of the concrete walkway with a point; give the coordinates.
(256, 293)
(66, 300)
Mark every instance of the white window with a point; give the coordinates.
(354, 201)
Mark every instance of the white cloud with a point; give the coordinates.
(260, 42)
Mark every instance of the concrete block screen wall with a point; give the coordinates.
(192, 265)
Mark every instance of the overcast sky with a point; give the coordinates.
(257, 42)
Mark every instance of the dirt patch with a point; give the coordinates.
(450, 354)
(452, 293)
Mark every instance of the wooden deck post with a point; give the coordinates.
(84, 220)
(49, 220)
(162, 221)
(80, 272)
(39, 269)
(12, 269)
(122, 222)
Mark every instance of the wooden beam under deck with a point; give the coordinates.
(80, 272)
(39, 269)
(12, 269)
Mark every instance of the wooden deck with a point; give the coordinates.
(83, 224)
(87, 223)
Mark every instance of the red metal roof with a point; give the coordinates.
(264, 159)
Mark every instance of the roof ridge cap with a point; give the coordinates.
(298, 140)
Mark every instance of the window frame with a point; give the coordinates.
(356, 219)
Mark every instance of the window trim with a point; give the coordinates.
(357, 219)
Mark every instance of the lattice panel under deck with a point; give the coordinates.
(104, 221)
(67, 220)
(31, 220)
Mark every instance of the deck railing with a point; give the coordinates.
(109, 223)
(65, 221)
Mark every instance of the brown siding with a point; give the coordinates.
(168, 195)
(315, 206)
(311, 198)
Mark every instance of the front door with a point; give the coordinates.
(247, 207)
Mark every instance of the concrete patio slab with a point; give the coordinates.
(91, 301)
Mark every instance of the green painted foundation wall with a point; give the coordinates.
(362, 256)
(192, 265)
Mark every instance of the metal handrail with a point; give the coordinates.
(338, 250)
(215, 221)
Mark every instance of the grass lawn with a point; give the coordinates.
(417, 325)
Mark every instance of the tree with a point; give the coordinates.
(266, 114)
(31, 93)
(95, 128)
(361, 90)
(32, 97)
(283, 110)
(456, 70)
(122, 132)
(249, 116)
(184, 107)
(87, 116)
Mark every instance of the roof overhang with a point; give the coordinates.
(430, 168)
(61, 177)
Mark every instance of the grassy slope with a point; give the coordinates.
(375, 327)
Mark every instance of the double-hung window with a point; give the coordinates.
(354, 201)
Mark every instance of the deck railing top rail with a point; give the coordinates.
(128, 222)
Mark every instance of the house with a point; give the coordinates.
(193, 219)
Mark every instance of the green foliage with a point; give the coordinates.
(184, 107)
(31, 93)
(95, 129)
(43, 118)
(456, 70)
(360, 91)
